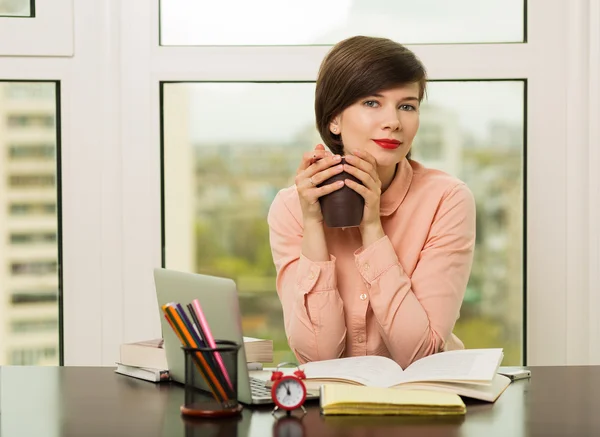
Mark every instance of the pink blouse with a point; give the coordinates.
(399, 297)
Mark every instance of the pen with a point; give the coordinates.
(209, 338)
(201, 334)
(189, 342)
(204, 375)
(200, 341)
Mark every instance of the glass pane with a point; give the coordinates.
(223, 171)
(29, 332)
(308, 22)
(17, 8)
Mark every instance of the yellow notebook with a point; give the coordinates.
(342, 399)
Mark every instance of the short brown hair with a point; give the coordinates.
(358, 67)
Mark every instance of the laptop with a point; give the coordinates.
(219, 300)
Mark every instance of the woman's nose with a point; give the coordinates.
(392, 122)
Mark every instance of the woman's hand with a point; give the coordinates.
(316, 167)
(363, 166)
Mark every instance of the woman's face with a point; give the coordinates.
(384, 124)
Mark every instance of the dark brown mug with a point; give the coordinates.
(344, 207)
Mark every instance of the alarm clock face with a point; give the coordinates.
(289, 393)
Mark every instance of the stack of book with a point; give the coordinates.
(148, 360)
(258, 350)
(144, 360)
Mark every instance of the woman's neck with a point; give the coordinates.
(386, 176)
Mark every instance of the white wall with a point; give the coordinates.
(111, 198)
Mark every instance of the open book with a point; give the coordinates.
(469, 372)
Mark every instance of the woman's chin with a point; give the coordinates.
(387, 159)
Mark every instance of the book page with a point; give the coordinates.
(375, 371)
(253, 340)
(476, 365)
(488, 393)
(158, 343)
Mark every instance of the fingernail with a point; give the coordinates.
(337, 157)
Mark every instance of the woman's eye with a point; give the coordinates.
(407, 107)
(371, 103)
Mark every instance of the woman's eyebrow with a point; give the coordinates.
(403, 99)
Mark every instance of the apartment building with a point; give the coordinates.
(29, 212)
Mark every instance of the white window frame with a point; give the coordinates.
(110, 131)
(562, 239)
(90, 171)
(49, 33)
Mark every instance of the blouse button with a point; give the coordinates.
(363, 296)
(311, 275)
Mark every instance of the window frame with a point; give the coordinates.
(556, 250)
(110, 161)
(90, 213)
(48, 33)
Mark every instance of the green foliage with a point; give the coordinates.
(244, 251)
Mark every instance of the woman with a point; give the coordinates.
(394, 285)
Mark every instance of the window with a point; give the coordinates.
(431, 143)
(32, 208)
(32, 237)
(314, 22)
(28, 151)
(36, 28)
(24, 91)
(32, 120)
(34, 297)
(562, 210)
(29, 249)
(39, 325)
(17, 8)
(33, 268)
(219, 183)
(30, 356)
(31, 180)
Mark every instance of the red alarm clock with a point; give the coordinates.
(288, 391)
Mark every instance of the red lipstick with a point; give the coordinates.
(387, 144)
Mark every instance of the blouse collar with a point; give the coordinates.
(396, 192)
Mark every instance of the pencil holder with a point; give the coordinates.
(211, 376)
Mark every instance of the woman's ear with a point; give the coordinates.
(334, 126)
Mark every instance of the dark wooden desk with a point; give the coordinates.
(88, 401)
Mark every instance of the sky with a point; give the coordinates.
(271, 112)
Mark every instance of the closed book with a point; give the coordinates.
(258, 350)
(338, 399)
(147, 353)
(145, 373)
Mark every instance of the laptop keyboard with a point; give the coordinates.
(258, 389)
